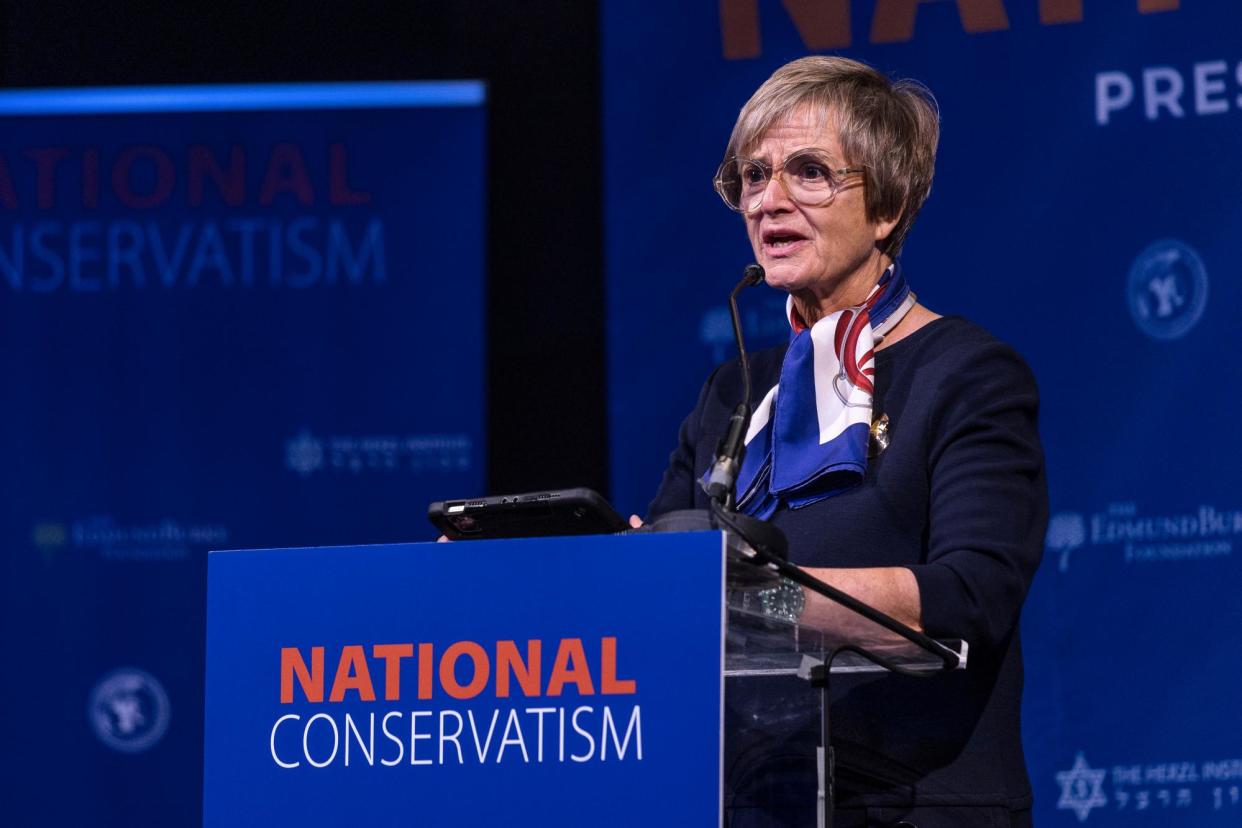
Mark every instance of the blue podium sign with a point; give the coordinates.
(538, 682)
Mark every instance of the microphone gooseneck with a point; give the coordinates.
(751, 276)
(754, 541)
(721, 482)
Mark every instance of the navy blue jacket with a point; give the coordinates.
(959, 497)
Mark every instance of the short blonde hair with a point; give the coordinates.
(890, 127)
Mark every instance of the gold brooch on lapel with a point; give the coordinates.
(879, 435)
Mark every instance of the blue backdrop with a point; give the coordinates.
(1086, 210)
(237, 316)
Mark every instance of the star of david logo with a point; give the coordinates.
(1081, 789)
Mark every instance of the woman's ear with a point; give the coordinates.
(884, 227)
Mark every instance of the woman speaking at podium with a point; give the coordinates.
(896, 448)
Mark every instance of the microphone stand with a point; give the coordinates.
(721, 485)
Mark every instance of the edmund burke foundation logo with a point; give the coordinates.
(1207, 533)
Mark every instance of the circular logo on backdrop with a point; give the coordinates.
(129, 710)
(1167, 289)
(304, 453)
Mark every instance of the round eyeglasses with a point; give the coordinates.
(807, 176)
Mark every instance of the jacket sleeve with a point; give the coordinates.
(988, 506)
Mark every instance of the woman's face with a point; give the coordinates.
(823, 255)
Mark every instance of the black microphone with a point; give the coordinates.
(722, 479)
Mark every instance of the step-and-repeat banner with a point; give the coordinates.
(1086, 209)
(232, 317)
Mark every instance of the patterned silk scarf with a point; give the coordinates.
(808, 437)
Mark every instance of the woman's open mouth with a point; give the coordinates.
(779, 243)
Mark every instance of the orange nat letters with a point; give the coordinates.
(514, 672)
(291, 663)
(352, 674)
(392, 655)
(825, 24)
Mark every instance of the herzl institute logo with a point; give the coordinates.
(1167, 290)
(1082, 788)
(1178, 792)
(129, 710)
(307, 453)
